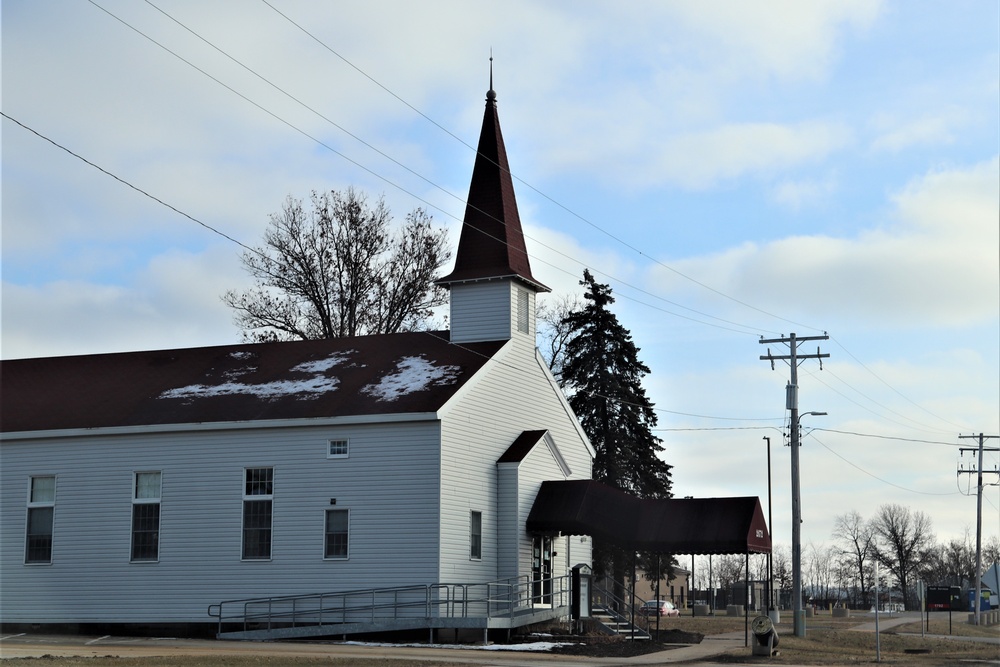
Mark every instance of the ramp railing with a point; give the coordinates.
(422, 603)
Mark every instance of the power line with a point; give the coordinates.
(253, 250)
(883, 437)
(899, 393)
(667, 311)
(130, 185)
(876, 477)
(747, 329)
(867, 409)
(536, 190)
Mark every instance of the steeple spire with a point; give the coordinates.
(491, 94)
(491, 245)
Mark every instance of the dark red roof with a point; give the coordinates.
(491, 244)
(366, 375)
(675, 525)
(521, 447)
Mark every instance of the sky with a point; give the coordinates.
(734, 171)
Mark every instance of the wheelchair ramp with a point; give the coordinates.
(494, 605)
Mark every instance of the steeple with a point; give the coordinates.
(491, 245)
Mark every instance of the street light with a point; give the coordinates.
(772, 609)
(798, 614)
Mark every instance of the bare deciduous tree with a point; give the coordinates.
(820, 572)
(904, 536)
(339, 269)
(554, 333)
(856, 543)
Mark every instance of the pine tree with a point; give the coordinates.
(602, 376)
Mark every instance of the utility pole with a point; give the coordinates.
(792, 404)
(979, 515)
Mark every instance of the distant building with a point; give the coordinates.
(675, 589)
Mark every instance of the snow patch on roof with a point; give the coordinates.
(323, 365)
(310, 387)
(411, 374)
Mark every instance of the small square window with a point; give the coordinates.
(337, 449)
(259, 481)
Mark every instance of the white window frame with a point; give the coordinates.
(339, 455)
(33, 504)
(326, 513)
(256, 497)
(475, 549)
(136, 500)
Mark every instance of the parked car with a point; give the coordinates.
(659, 607)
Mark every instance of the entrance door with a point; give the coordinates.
(541, 570)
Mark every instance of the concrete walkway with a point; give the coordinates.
(27, 645)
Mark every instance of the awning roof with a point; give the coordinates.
(679, 526)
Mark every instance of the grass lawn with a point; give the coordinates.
(831, 641)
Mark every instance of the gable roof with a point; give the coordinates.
(675, 525)
(364, 375)
(525, 443)
(491, 245)
(521, 447)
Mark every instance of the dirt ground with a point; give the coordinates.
(828, 641)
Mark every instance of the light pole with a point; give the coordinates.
(772, 609)
(798, 614)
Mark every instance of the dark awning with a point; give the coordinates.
(679, 526)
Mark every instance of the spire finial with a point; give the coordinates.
(491, 94)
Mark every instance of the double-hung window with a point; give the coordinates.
(476, 535)
(41, 510)
(258, 497)
(146, 516)
(337, 530)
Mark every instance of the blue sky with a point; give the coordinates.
(733, 170)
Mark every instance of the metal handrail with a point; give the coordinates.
(622, 607)
(496, 599)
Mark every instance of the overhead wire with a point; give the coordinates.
(816, 376)
(254, 250)
(899, 393)
(582, 218)
(535, 189)
(876, 477)
(339, 153)
(128, 184)
(745, 329)
(250, 249)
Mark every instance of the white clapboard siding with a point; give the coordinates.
(489, 311)
(389, 483)
(478, 426)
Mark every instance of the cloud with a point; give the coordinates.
(803, 193)
(172, 302)
(700, 160)
(781, 38)
(895, 136)
(932, 262)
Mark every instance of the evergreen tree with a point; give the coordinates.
(602, 376)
